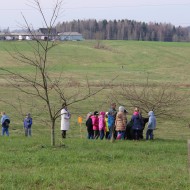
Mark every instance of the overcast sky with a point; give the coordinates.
(176, 12)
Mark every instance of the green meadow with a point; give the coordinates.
(78, 163)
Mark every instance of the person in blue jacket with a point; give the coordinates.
(111, 119)
(27, 125)
(5, 121)
(151, 125)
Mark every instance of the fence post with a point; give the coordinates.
(188, 146)
(80, 125)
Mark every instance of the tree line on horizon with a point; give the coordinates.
(125, 30)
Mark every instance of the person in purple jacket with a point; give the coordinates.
(28, 125)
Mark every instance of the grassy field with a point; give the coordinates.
(77, 163)
(82, 164)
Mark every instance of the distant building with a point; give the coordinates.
(28, 37)
(20, 35)
(14, 36)
(6, 36)
(48, 34)
(2, 36)
(42, 34)
(70, 36)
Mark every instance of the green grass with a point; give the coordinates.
(77, 163)
(162, 61)
(30, 163)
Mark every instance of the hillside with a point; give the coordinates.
(132, 62)
(76, 163)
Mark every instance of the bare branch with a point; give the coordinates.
(161, 98)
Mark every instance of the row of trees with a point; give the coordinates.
(125, 30)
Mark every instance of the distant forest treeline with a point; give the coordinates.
(125, 30)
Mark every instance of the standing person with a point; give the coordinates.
(128, 131)
(65, 123)
(89, 126)
(137, 124)
(5, 121)
(102, 124)
(95, 123)
(120, 123)
(27, 125)
(145, 120)
(106, 128)
(151, 125)
(125, 113)
(111, 119)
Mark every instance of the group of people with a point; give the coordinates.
(27, 122)
(113, 124)
(5, 123)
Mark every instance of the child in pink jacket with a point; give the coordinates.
(95, 123)
(102, 124)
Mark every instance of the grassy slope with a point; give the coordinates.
(81, 164)
(162, 61)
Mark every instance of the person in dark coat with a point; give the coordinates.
(145, 120)
(137, 124)
(89, 126)
(128, 131)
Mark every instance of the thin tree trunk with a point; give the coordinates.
(188, 146)
(53, 133)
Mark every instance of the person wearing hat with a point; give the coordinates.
(27, 125)
(89, 126)
(151, 125)
(65, 120)
(120, 123)
(102, 124)
(137, 124)
(95, 123)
